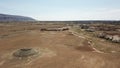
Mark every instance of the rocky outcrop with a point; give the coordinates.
(54, 29)
(101, 35)
(114, 38)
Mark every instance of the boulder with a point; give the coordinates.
(109, 37)
(101, 35)
(116, 39)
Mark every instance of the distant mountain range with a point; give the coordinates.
(7, 17)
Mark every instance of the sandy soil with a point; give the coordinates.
(59, 50)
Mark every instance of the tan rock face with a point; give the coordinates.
(108, 37)
(116, 38)
(101, 35)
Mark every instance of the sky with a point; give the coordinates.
(63, 9)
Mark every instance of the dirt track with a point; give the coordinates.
(61, 50)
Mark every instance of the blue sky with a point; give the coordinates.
(63, 9)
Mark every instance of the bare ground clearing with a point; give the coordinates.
(60, 50)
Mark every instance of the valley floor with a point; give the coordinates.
(58, 50)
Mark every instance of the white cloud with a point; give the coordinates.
(93, 14)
